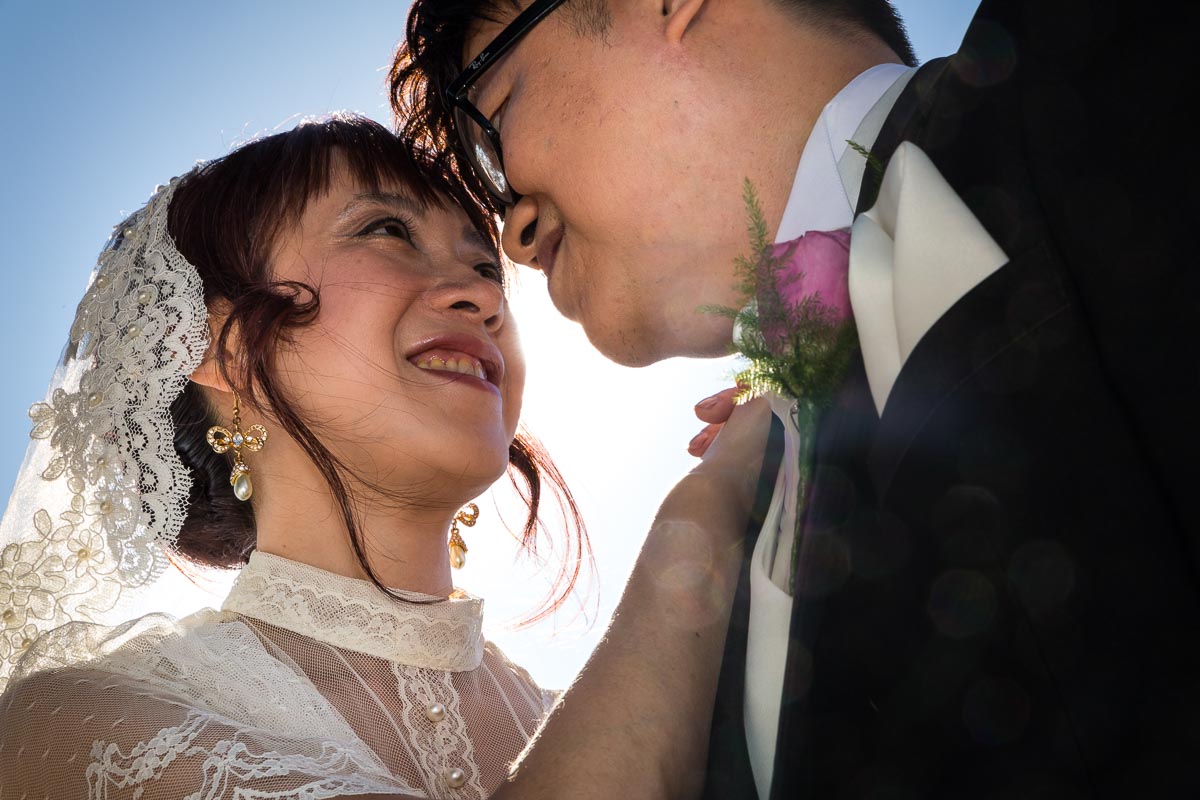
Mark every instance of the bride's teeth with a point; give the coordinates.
(463, 366)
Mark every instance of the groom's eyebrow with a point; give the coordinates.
(390, 199)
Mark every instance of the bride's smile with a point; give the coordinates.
(460, 354)
(412, 364)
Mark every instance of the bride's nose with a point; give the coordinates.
(475, 297)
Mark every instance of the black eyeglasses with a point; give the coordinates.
(479, 138)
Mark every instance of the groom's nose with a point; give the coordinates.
(520, 232)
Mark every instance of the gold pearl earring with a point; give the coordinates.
(458, 548)
(220, 439)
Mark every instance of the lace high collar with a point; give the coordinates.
(429, 632)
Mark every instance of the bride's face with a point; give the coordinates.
(412, 371)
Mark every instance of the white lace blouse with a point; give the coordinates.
(305, 685)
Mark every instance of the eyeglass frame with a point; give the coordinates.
(455, 94)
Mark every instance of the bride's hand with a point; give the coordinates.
(732, 458)
(738, 439)
(715, 411)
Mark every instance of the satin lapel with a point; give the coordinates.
(911, 108)
(918, 251)
(972, 333)
(994, 315)
(728, 772)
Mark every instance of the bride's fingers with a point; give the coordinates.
(743, 437)
(745, 431)
(700, 442)
(733, 458)
(718, 407)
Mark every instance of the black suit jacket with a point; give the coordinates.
(999, 586)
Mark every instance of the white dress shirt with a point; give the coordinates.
(824, 195)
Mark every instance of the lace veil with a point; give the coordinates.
(102, 494)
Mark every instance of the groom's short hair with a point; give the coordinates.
(432, 54)
(850, 17)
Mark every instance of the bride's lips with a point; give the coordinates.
(460, 357)
(547, 251)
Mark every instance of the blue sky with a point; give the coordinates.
(102, 101)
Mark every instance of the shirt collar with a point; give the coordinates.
(819, 200)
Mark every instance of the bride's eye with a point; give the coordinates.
(388, 226)
(493, 272)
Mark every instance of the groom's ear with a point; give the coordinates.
(679, 16)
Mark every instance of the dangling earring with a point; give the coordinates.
(221, 440)
(458, 548)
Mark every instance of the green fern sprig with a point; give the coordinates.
(874, 165)
(748, 266)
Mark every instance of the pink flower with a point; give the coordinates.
(814, 266)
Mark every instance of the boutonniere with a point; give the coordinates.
(797, 333)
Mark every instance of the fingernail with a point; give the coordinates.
(707, 403)
(697, 440)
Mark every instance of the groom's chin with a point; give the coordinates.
(633, 347)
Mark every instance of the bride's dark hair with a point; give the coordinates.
(225, 218)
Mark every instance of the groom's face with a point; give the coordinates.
(613, 141)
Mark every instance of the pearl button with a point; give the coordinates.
(95, 399)
(436, 712)
(455, 777)
(143, 297)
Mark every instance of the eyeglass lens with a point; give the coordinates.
(483, 155)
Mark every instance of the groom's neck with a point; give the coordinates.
(797, 68)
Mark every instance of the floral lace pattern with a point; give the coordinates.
(101, 484)
(331, 770)
(230, 704)
(432, 633)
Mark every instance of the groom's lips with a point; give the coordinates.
(548, 250)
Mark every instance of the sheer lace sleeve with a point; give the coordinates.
(197, 708)
(76, 733)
